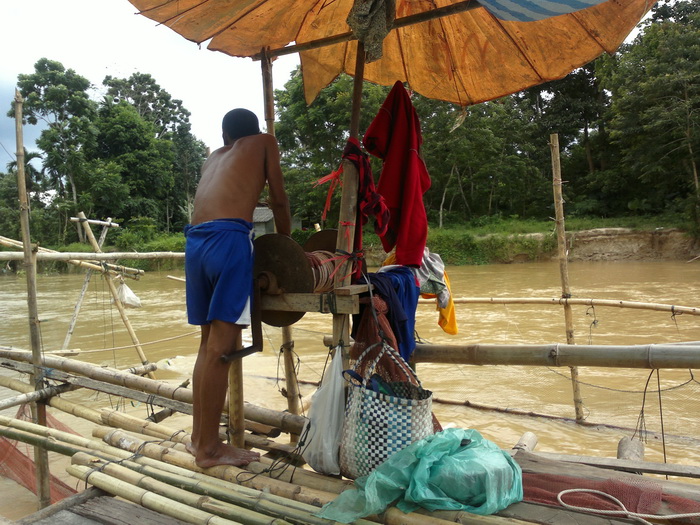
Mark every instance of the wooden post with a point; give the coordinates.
(292, 386)
(83, 290)
(563, 265)
(268, 92)
(115, 295)
(41, 457)
(348, 202)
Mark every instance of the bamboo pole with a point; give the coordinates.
(83, 290)
(34, 396)
(108, 223)
(563, 266)
(558, 301)
(115, 296)
(41, 459)
(233, 474)
(55, 402)
(43, 253)
(651, 356)
(405, 21)
(252, 499)
(283, 420)
(145, 498)
(123, 422)
(76, 257)
(196, 481)
(206, 503)
(268, 92)
(292, 388)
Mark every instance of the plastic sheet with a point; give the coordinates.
(455, 469)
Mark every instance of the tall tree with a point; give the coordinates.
(656, 109)
(58, 97)
(170, 121)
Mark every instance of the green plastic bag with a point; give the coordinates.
(455, 469)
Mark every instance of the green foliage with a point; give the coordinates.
(301, 236)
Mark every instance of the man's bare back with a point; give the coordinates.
(233, 178)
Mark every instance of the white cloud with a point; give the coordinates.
(105, 37)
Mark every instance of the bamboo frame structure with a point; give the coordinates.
(115, 295)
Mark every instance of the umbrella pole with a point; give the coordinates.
(348, 204)
(268, 95)
(359, 80)
(293, 398)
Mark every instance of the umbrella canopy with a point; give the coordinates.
(466, 57)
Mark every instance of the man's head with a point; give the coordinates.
(239, 123)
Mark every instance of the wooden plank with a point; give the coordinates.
(537, 464)
(352, 289)
(112, 511)
(627, 465)
(67, 503)
(326, 303)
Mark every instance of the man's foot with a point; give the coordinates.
(226, 455)
(191, 448)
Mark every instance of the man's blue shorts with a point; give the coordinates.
(219, 271)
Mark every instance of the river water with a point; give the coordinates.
(613, 398)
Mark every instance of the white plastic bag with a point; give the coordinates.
(127, 297)
(325, 423)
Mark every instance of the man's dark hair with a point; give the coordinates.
(239, 123)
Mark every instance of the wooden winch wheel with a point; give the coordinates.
(324, 240)
(286, 260)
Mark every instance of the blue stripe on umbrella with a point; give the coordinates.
(532, 10)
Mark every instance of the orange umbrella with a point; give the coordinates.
(458, 51)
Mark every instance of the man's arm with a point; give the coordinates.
(278, 200)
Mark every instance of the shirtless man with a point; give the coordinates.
(219, 268)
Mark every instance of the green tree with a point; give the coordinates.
(127, 145)
(656, 109)
(58, 97)
(312, 137)
(170, 122)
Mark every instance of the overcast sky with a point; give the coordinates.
(105, 37)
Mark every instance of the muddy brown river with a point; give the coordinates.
(613, 398)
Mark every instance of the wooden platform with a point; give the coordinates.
(96, 507)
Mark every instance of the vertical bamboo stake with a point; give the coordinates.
(115, 295)
(292, 386)
(348, 201)
(41, 457)
(83, 290)
(563, 265)
(293, 398)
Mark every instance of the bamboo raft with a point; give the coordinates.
(147, 464)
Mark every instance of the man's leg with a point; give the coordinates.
(198, 379)
(210, 380)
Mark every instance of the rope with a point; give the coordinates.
(141, 344)
(624, 512)
(322, 265)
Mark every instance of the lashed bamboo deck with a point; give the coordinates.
(147, 464)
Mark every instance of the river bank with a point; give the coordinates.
(600, 244)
